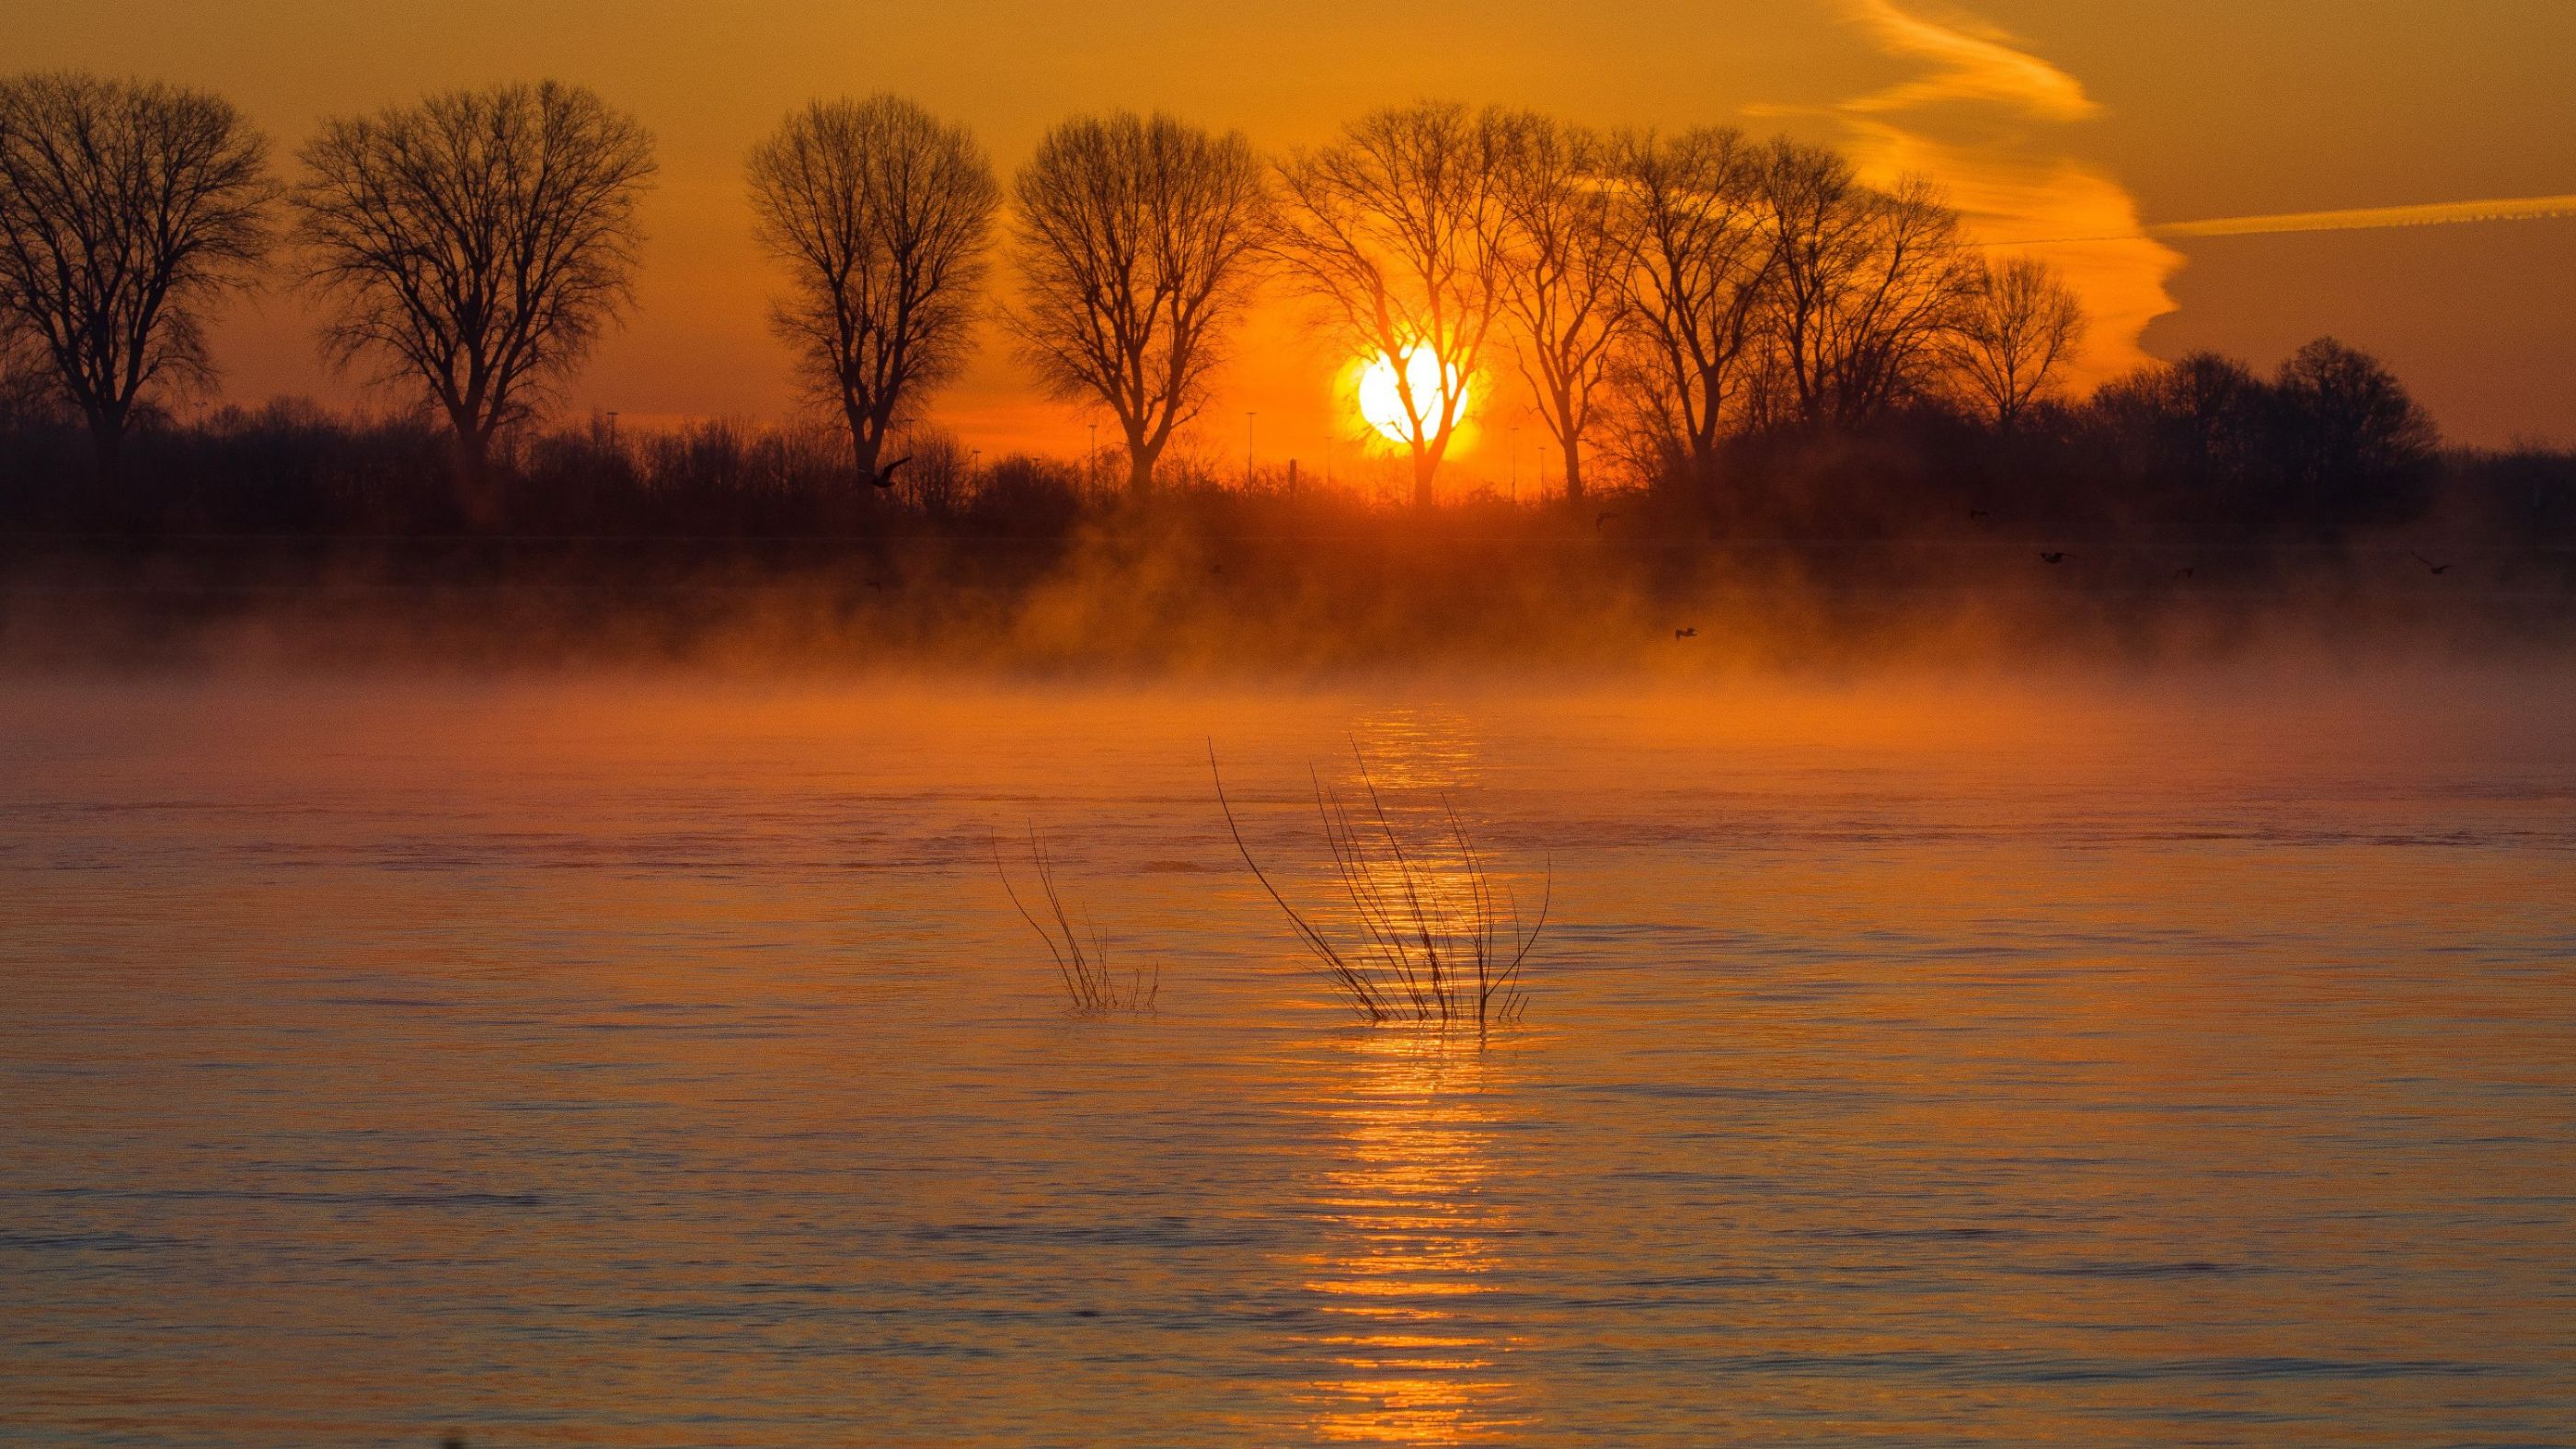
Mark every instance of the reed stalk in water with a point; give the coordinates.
(1092, 985)
(1437, 943)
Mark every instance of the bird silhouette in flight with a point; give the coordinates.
(1686, 633)
(1976, 513)
(2428, 563)
(2052, 558)
(1604, 518)
(884, 477)
(2182, 573)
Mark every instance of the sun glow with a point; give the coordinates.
(1382, 400)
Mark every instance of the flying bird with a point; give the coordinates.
(884, 477)
(2182, 573)
(1685, 633)
(2428, 563)
(2052, 558)
(1604, 518)
(1975, 513)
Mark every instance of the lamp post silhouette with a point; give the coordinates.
(1247, 448)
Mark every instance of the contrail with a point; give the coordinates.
(2366, 218)
(2440, 213)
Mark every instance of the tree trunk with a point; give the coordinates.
(1703, 469)
(1573, 470)
(864, 453)
(1424, 466)
(469, 457)
(1140, 471)
(107, 445)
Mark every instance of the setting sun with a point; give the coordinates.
(1382, 401)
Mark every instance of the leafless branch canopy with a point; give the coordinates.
(1702, 272)
(1137, 244)
(2018, 328)
(1865, 286)
(1391, 232)
(881, 215)
(126, 209)
(478, 242)
(1567, 250)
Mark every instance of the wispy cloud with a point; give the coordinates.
(1974, 64)
(1988, 120)
(2372, 218)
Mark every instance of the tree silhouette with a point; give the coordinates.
(1865, 287)
(1392, 232)
(882, 216)
(2018, 327)
(126, 209)
(1703, 266)
(1567, 251)
(477, 242)
(27, 389)
(2197, 421)
(1137, 245)
(2354, 445)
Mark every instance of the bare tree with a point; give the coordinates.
(28, 391)
(477, 242)
(1391, 231)
(2018, 328)
(126, 209)
(2353, 439)
(1137, 249)
(882, 216)
(1866, 285)
(1567, 251)
(1703, 267)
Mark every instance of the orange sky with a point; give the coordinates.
(2045, 121)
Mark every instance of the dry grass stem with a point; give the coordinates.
(1440, 942)
(1091, 983)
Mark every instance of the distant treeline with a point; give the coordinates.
(1728, 339)
(2203, 451)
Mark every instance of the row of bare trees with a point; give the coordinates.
(1656, 293)
(1673, 290)
(475, 244)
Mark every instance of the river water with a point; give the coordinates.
(656, 1060)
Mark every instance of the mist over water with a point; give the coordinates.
(1921, 1055)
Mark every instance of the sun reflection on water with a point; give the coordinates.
(1407, 1352)
(1421, 748)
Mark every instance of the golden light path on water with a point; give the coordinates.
(1405, 1357)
